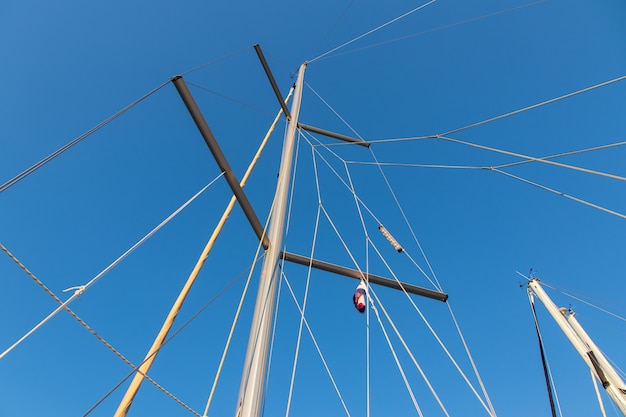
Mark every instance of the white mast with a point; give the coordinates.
(593, 357)
(252, 388)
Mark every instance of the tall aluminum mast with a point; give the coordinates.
(593, 357)
(252, 388)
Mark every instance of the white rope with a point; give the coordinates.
(398, 364)
(81, 289)
(319, 351)
(371, 31)
(408, 350)
(435, 335)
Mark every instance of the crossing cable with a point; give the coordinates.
(398, 364)
(406, 221)
(371, 213)
(534, 106)
(406, 347)
(554, 287)
(487, 406)
(552, 190)
(533, 159)
(425, 32)
(319, 351)
(372, 31)
(94, 129)
(502, 116)
(81, 289)
(90, 329)
(477, 167)
(169, 339)
(436, 283)
(215, 61)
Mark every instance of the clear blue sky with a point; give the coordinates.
(67, 66)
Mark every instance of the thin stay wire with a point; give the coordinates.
(502, 116)
(94, 129)
(534, 106)
(552, 190)
(215, 61)
(406, 347)
(372, 31)
(169, 339)
(534, 159)
(79, 290)
(317, 347)
(91, 330)
(398, 364)
(425, 32)
(487, 407)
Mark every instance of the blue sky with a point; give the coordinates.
(68, 66)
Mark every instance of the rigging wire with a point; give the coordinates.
(502, 116)
(372, 31)
(169, 339)
(334, 25)
(425, 32)
(534, 159)
(594, 148)
(82, 288)
(408, 224)
(319, 351)
(534, 106)
(410, 353)
(488, 408)
(543, 187)
(583, 301)
(370, 212)
(398, 364)
(305, 300)
(215, 61)
(231, 99)
(94, 129)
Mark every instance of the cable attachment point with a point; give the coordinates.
(78, 290)
(390, 238)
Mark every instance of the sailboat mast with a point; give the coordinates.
(585, 347)
(252, 387)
